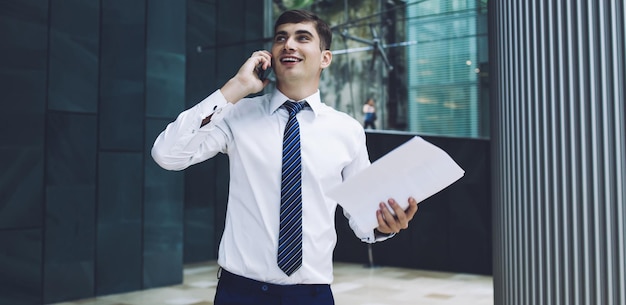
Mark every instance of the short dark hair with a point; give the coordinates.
(298, 16)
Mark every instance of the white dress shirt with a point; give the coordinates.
(250, 132)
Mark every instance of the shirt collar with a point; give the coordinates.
(278, 98)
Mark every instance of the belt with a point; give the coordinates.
(241, 282)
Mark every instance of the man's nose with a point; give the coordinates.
(289, 44)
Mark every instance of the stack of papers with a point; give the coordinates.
(415, 169)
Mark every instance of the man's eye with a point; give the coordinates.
(303, 38)
(279, 38)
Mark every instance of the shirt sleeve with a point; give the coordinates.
(366, 237)
(360, 162)
(185, 141)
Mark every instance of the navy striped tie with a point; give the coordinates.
(290, 233)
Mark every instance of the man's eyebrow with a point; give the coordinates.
(304, 32)
(298, 32)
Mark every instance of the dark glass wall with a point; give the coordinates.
(23, 79)
(86, 86)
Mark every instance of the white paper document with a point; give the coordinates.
(415, 169)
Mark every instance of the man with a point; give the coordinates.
(256, 268)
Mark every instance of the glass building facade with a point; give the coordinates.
(447, 68)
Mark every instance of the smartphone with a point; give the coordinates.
(263, 74)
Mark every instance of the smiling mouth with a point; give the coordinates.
(290, 59)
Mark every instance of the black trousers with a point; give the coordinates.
(371, 124)
(233, 289)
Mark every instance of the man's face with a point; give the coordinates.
(296, 52)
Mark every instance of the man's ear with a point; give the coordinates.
(327, 58)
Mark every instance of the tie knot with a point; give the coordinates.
(293, 107)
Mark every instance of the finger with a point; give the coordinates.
(389, 218)
(264, 58)
(412, 209)
(400, 214)
(382, 224)
(261, 52)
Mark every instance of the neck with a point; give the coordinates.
(297, 92)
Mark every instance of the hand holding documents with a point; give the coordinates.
(415, 169)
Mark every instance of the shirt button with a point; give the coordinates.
(264, 288)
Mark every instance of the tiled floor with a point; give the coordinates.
(354, 285)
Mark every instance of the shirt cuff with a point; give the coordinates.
(375, 236)
(380, 236)
(214, 106)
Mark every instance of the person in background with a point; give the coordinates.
(286, 149)
(369, 112)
